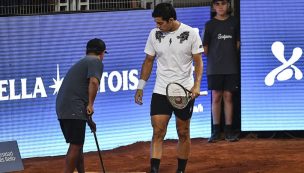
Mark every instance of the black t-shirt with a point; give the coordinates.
(221, 37)
(73, 94)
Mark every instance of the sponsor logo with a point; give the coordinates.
(17, 89)
(224, 37)
(287, 70)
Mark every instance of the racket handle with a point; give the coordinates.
(203, 93)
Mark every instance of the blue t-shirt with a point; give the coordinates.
(73, 94)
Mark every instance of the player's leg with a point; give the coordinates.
(215, 83)
(183, 130)
(74, 133)
(80, 163)
(228, 107)
(159, 124)
(231, 85)
(160, 115)
(184, 142)
(72, 157)
(216, 106)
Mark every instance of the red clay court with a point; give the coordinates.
(249, 155)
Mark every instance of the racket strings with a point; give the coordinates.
(177, 96)
(178, 101)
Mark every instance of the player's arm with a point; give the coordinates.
(238, 35)
(206, 40)
(146, 68)
(238, 45)
(205, 50)
(198, 71)
(93, 88)
(145, 74)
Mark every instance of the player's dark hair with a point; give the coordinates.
(95, 52)
(165, 11)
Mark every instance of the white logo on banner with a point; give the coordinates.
(113, 81)
(287, 69)
(57, 82)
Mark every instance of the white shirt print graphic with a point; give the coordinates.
(287, 69)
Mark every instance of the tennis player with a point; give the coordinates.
(75, 101)
(175, 46)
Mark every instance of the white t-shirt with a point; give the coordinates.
(173, 51)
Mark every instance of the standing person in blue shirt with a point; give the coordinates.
(174, 46)
(75, 100)
(221, 44)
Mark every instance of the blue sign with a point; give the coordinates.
(37, 51)
(272, 65)
(10, 159)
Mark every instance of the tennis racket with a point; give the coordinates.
(179, 96)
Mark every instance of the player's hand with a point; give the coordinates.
(91, 123)
(195, 91)
(138, 96)
(90, 110)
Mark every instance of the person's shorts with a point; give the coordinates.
(228, 82)
(73, 130)
(161, 106)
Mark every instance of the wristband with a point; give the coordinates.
(141, 84)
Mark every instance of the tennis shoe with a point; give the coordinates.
(231, 137)
(154, 170)
(215, 137)
(179, 171)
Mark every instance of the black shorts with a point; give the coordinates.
(73, 130)
(161, 105)
(229, 82)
